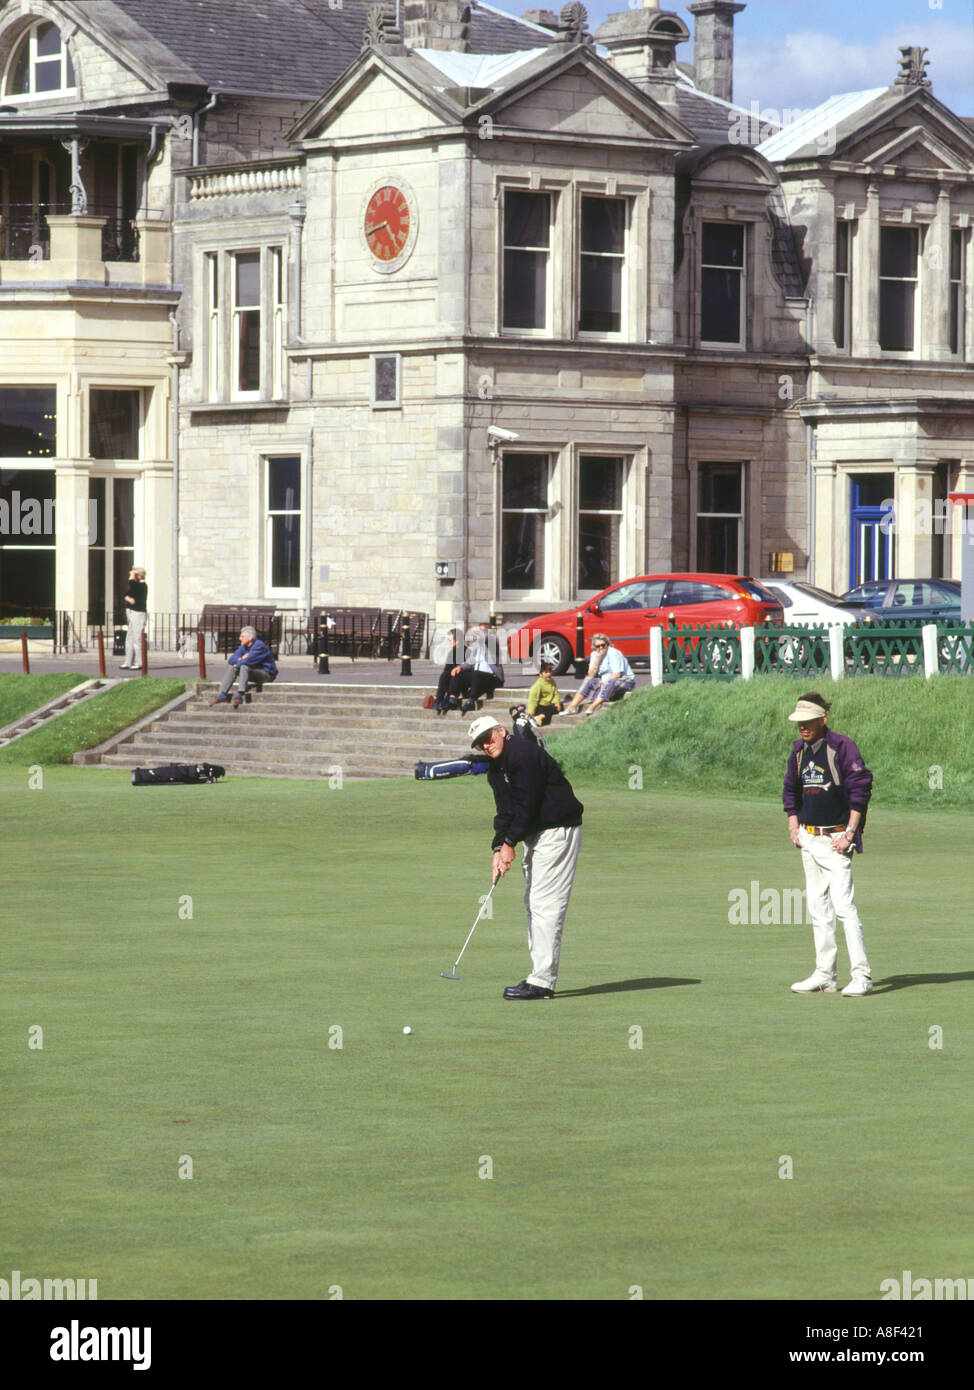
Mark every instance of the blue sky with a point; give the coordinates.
(796, 53)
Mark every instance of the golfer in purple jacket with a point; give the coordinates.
(826, 792)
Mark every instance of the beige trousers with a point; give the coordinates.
(830, 895)
(549, 863)
(133, 637)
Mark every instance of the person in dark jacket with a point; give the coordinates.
(535, 806)
(825, 795)
(135, 599)
(251, 664)
(464, 686)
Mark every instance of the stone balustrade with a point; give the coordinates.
(264, 178)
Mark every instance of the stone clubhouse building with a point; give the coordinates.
(474, 315)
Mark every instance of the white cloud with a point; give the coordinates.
(805, 68)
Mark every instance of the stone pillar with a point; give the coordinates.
(824, 285)
(865, 279)
(958, 523)
(155, 523)
(76, 246)
(437, 24)
(713, 46)
(831, 528)
(658, 225)
(935, 290)
(658, 486)
(153, 250)
(71, 545)
(914, 518)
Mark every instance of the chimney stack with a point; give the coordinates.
(437, 24)
(713, 46)
(642, 46)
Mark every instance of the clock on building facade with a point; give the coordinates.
(390, 224)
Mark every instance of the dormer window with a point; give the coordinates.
(723, 290)
(41, 64)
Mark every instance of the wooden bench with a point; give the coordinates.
(369, 632)
(222, 623)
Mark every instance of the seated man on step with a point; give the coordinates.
(251, 664)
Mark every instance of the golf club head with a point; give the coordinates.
(448, 975)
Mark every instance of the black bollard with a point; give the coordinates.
(407, 662)
(581, 665)
(321, 644)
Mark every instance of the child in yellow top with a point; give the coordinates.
(544, 701)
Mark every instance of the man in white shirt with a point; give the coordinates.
(609, 677)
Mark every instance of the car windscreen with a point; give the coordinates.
(822, 595)
(871, 594)
(758, 591)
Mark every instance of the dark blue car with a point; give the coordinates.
(914, 600)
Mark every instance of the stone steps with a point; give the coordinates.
(303, 731)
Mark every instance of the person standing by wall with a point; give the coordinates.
(136, 601)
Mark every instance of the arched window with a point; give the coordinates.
(41, 64)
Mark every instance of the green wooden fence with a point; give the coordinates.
(889, 649)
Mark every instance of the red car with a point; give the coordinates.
(625, 612)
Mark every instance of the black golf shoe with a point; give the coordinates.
(526, 991)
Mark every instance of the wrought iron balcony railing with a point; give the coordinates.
(26, 236)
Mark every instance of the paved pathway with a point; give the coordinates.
(344, 671)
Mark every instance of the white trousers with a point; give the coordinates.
(133, 637)
(830, 895)
(549, 863)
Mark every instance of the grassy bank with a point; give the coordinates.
(20, 694)
(89, 724)
(732, 738)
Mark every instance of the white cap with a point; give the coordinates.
(806, 712)
(480, 727)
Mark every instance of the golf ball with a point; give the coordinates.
(407, 1029)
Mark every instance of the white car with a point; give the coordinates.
(804, 605)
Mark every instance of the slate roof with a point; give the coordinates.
(296, 48)
(837, 116)
(785, 260)
(299, 48)
(711, 119)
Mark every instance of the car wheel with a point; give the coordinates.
(717, 654)
(952, 654)
(794, 653)
(550, 647)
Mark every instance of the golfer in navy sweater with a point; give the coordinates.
(825, 795)
(251, 664)
(535, 806)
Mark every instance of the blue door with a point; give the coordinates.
(870, 543)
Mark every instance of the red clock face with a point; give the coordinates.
(387, 220)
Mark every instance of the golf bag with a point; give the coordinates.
(525, 726)
(468, 766)
(174, 774)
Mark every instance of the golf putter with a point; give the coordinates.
(452, 974)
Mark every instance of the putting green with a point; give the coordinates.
(222, 976)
